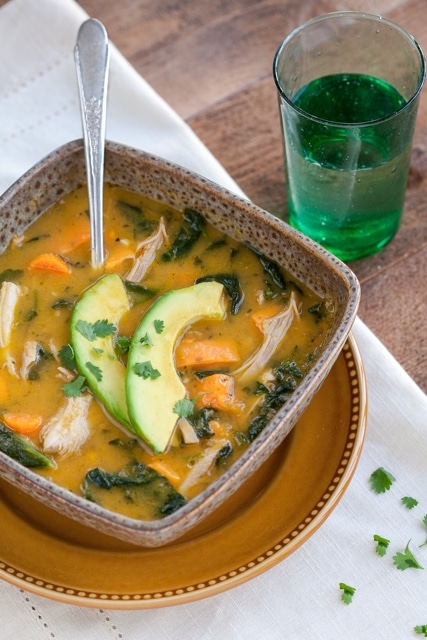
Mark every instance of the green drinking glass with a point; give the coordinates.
(348, 86)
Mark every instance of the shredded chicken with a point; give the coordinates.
(30, 357)
(18, 241)
(9, 296)
(146, 252)
(54, 349)
(189, 436)
(274, 330)
(10, 365)
(202, 466)
(65, 374)
(67, 431)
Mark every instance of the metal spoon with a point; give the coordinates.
(91, 56)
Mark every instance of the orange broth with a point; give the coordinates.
(43, 312)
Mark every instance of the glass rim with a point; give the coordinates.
(349, 14)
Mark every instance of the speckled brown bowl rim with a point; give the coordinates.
(63, 171)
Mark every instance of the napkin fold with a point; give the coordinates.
(299, 598)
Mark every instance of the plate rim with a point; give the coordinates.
(253, 567)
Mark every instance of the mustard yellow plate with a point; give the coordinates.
(271, 515)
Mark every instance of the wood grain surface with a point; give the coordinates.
(211, 60)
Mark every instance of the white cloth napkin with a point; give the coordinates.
(299, 598)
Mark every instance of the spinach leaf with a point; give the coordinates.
(33, 311)
(232, 288)
(272, 268)
(61, 303)
(216, 245)
(200, 375)
(319, 311)
(21, 449)
(126, 445)
(37, 238)
(275, 397)
(30, 315)
(138, 482)
(139, 292)
(135, 216)
(10, 275)
(200, 422)
(223, 454)
(187, 236)
(174, 502)
(288, 366)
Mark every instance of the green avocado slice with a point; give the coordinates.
(93, 328)
(153, 386)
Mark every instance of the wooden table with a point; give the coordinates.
(211, 60)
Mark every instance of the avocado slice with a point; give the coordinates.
(153, 386)
(93, 328)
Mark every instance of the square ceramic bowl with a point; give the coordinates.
(63, 171)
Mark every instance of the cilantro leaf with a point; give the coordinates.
(66, 356)
(347, 592)
(381, 480)
(425, 522)
(406, 560)
(104, 328)
(93, 330)
(421, 629)
(382, 544)
(409, 503)
(159, 326)
(184, 408)
(146, 370)
(123, 343)
(95, 370)
(74, 388)
(86, 329)
(146, 340)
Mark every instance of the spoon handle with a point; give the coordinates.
(91, 55)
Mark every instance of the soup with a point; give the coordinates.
(63, 374)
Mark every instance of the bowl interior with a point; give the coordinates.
(62, 172)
